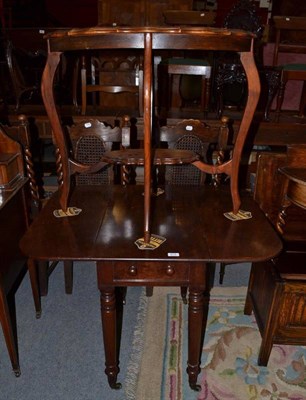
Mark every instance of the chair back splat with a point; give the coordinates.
(210, 142)
(90, 140)
(184, 78)
(290, 38)
(24, 85)
(230, 82)
(118, 80)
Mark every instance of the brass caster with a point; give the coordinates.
(115, 386)
(195, 387)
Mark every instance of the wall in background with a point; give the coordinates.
(83, 13)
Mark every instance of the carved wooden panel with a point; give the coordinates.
(293, 308)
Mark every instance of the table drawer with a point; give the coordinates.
(151, 271)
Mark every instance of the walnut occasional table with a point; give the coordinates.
(150, 39)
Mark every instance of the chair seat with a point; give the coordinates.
(292, 67)
(185, 61)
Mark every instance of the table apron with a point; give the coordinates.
(152, 273)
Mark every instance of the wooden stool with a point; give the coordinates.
(277, 296)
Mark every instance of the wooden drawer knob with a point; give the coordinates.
(170, 270)
(133, 270)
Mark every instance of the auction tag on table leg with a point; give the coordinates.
(241, 214)
(155, 242)
(157, 192)
(71, 212)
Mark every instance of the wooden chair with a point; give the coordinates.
(22, 135)
(112, 77)
(88, 147)
(17, 60)
(277, 288)
(230, 80)
(211, 142)
(180, 75)
(14, 221)
(295, 43)
(183, 67)
(213, 145)
(187, 174)
(89, 140)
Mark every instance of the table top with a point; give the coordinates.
(295, 174)
(190, 218)
(172, 37)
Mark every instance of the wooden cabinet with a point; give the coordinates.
(138, 13)
(285, 7)
(277, 296)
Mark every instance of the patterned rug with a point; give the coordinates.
(229, 360)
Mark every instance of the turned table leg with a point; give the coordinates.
(109, 327)
(197, 318)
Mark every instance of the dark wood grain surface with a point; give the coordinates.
(191, 220)
(196, 232)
